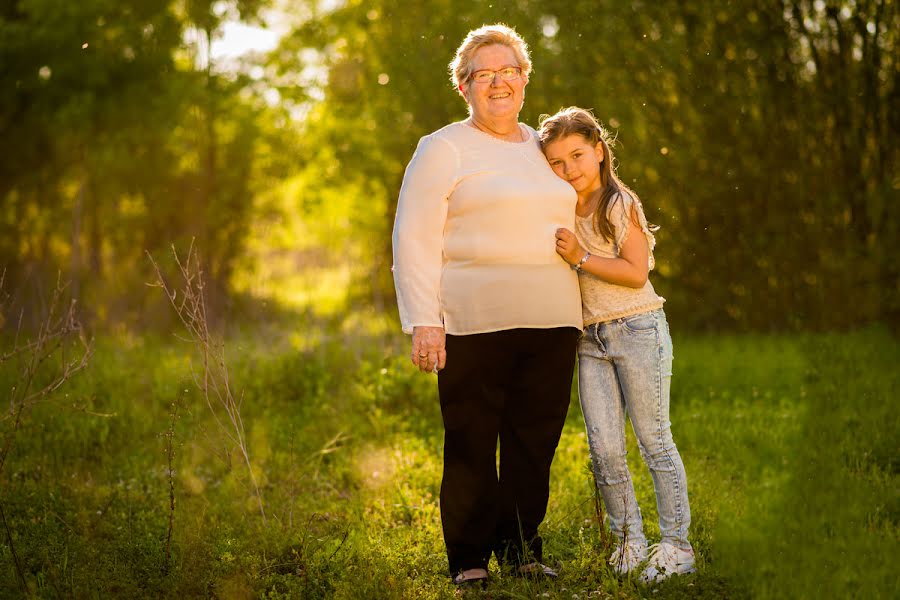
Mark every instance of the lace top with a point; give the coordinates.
(602, 301)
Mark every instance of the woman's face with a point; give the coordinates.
(574, 159)
(496, 99)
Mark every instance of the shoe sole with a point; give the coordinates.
(472, 583)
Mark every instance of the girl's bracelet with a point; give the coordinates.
(577, 266)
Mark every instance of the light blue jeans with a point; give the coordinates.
(625, 366)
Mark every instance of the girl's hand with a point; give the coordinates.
(568, 247)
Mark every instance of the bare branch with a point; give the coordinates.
(44, 358)
(213, 380)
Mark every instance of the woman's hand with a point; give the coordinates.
(428, 351)
(568, 247)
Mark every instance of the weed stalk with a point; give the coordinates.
(214, 381)
(44, 363)
(170, 474)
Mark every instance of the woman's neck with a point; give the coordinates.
(507, 130)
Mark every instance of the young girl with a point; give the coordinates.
(625, 354)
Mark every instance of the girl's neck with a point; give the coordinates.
(507, 130)
(588, 198)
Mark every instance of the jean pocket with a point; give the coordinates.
(642, 323)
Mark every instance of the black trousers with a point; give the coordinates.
(514, 386)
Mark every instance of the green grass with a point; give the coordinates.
(789, 444)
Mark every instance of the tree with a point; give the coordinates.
(721, 115)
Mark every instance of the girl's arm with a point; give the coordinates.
(629, 269)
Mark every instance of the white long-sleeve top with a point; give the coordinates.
(473, 242)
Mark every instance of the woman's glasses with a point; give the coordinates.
(487, 75)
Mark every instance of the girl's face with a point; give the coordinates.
(574, 159)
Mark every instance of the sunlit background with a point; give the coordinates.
(274, 133)
(268, 140)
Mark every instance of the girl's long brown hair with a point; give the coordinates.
(578, 121)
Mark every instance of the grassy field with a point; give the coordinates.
(789, 442)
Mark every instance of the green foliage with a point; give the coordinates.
(119, 137)
(757, 134)
(788, 444)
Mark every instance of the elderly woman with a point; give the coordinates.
(491, 306)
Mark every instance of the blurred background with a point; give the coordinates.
(280, 444)
(761, 136)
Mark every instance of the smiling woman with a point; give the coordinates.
(473, 262)
(495, 92)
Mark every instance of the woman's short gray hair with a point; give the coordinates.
(487, 35)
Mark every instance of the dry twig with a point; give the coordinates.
(170, 474)
(41, 366)
(213, 380)
(59, 349)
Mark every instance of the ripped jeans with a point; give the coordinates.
(625, 366)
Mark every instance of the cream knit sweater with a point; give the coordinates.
(474, 246)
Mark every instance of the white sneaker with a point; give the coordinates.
(667, 559)
(628, 556)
